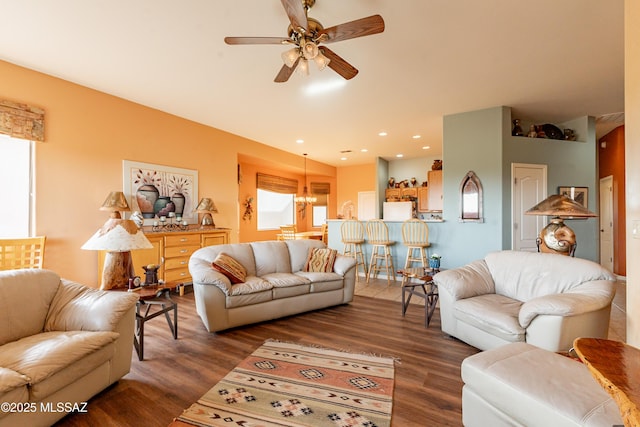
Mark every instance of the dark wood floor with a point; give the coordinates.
(175, 373)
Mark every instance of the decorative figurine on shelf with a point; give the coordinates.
(517, 129)
(540, 132)
(150, 274)
(392, 182)
(414, 182)
(437, 165)
(569, 135)
(532, 132)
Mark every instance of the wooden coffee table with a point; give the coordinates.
(616, 367)
(424, 288)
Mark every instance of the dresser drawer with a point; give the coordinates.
(182, 240)
(180, 262)
(178, 275)
(179, 251)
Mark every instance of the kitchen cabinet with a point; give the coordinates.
(423, 199)
(434, 179)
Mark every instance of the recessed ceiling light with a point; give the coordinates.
(382, 134)
(364, 150)
(300, 141)
(399, 155)
(343, 158)
(426, 147)
(416, 137)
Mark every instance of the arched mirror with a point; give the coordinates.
(471, 199)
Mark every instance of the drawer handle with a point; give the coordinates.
(184, 239)
(183, 262)
(183, 274)
(183, 251)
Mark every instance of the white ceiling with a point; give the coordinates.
(549, 60)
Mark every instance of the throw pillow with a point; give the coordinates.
(231, 268)
(320, 260)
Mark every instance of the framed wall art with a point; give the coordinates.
(156, 190)
(579, 194)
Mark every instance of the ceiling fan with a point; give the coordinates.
(307, 35)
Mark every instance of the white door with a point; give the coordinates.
(529, 187)
(606, 222)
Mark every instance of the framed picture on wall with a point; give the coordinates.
(579, 194)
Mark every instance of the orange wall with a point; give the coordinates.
(611, 162)
(89, 133)
(354, 179)
(248, 228)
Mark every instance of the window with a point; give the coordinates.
(16, 169)
(274, 210)
(320, 190)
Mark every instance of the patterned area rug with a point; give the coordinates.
(285, 384)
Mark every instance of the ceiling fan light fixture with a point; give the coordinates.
(303, 67)
(290, 56)
(321, 61)
(309, 50)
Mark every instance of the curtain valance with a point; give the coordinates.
(277, 184)
(21, 121)
(320, 188)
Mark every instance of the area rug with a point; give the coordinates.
(286, 384)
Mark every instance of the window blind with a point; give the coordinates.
(21, 121)
(276, 184)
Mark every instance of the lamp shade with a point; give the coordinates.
(560, 206)
(115, 203)
(118, 235)
(206, 205)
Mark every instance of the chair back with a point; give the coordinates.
(288, 232)
(22, 253)
(377, 231)
(325, 233)
(415, 231)
(352, 230)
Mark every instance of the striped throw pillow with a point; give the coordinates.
(320, 260)
(230, 268)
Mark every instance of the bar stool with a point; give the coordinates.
(378, 234)
(415, 236)
(352, 232)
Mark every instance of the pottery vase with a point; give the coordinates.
(434, 263)
(146, 196)
(178, 200)
(163, 206)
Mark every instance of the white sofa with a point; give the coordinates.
(60, 344)
(547, 300)
(275, 285)
(519, 384)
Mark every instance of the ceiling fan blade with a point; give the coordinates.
(350, 30)
(286, 72)
(257, 40)
(339, 65)
(296, 13)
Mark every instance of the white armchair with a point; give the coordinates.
(547, 300)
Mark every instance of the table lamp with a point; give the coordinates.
(207, 207)
(115, 203)
(557, 237)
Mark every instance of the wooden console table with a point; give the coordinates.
(172, 251)
(616, 367)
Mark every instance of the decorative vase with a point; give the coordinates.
(146, 197)
(163, 206)
(178, 200)
(517, 129)
(434, 263)
(437, 165)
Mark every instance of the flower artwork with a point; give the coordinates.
(157, 191)
(434, 261)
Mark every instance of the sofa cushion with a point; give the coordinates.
(526, 275)
(299, 251)
(40, 357)
(320, 260)
(25, 298)
(13, 388)
(271, 257)
(251, 285)
(248, 299)
(492, 313)
(231, 268)
(285, 280)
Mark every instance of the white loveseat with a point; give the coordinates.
(543, 299)
(275, 284)
(60, 344)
